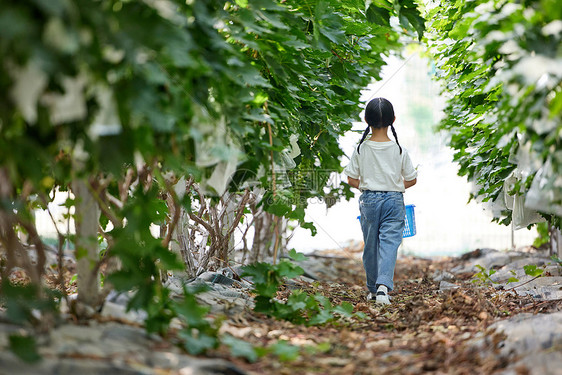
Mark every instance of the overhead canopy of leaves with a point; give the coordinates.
(105, 81)
(501, 65)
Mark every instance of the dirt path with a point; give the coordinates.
(424, 330)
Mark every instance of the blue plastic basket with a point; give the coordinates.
(409, 222)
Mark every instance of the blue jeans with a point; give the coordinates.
(382, 222)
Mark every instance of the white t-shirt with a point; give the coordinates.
(380, 167)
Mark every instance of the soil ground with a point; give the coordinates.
(424, 330)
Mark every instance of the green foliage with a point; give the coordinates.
(24, 305)
(296, 256)
(97, 89)
(282, 349)
(543, 235)
(25, 348)
(533, 270)
(240, 348)
(513, 279)
(200, 334)
(21, 300)
(483, 276)
(300, 307)
(499, 64)
(285, 351)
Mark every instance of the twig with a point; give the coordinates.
(526, 282)
(177, 210)
(124, 188)
(61, 280)
(104, 207)
(39, 247)
(543, 303)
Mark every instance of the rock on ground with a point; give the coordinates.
(530, 341)
(105, 349)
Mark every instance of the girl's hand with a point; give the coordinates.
(353, 182)
(408, 184)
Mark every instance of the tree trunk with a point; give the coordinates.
(185, 245)
(226, 221)
(86, 245)
(555, 242)
(264, 236)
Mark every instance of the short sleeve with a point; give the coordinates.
(352, 169)
(408, 171)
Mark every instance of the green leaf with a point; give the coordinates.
(278, 208)
(361, 315)
(289, 270)
(198, 343)
(169, 259)
(532, 270)
(260, 272)
(190, 311)
(124, 280)
(322, 317)
(240, 348)
(378, 15)
(285, 351)
(296, 256)
(25, 348)
(311, 227)
(323, 347)
(297, 214)
(345, 309)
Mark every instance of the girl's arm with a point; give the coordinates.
(408, 184)
(353, 182)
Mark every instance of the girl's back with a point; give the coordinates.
(381, 166)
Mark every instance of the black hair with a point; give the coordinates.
(379, 113)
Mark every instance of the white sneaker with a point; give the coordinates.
(382, 298)
(382, 295)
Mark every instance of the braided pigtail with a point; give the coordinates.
(365, 133)
(396, 137)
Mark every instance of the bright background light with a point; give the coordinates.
(446, 224)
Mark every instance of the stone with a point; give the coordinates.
(106, 348)
(476, 253)
(113, 310)
(397, 353)
(317, 267)
(489, 260)
(532, 341)
(445, 285)
(216, 278)
(120, 298)
(443, 276)
(226, 302)
(543, 288)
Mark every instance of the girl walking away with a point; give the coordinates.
(382, 170)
